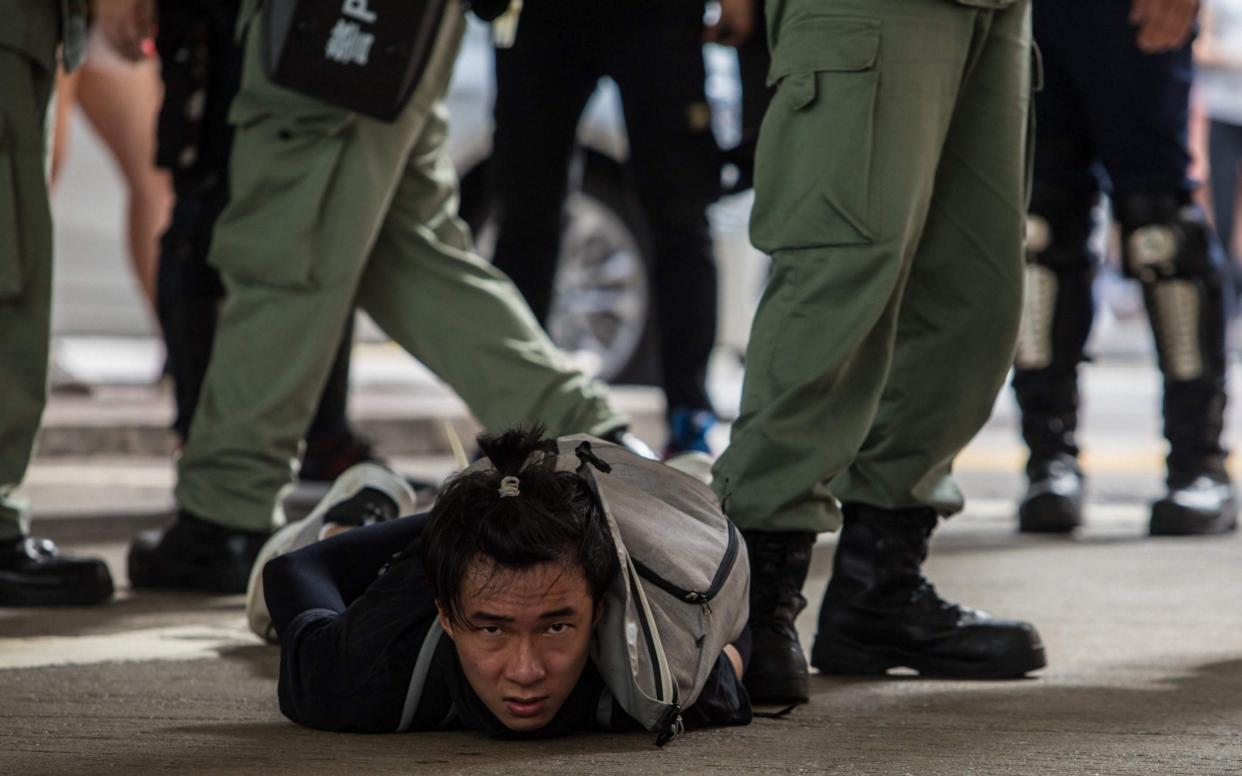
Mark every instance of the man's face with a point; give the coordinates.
(525, 640)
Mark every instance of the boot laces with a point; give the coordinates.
(912, 547)
(774, 605)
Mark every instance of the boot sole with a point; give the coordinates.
(842, 657)
(1170, 520)
(24, 596)
(1049, 515)
(785, 689)
(197, 579)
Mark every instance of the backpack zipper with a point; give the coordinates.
(696, 596)
(666, 688)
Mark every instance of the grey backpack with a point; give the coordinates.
(683, 588)
(681, 595)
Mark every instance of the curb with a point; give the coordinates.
(113, 421)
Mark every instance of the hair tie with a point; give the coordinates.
(509, 487)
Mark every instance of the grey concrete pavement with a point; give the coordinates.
(1144, 636)
(1144, 640)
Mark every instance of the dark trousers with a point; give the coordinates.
(1108, 113)
(1112, 118)
(1225, 158)
(653, 51)
(202, 72)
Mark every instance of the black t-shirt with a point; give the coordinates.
(350, 639)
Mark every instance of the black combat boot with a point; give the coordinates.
(1201, 498)
(880, 613)
(1198, 502)
(1056, 321)
(1054, 494)
(194, 554)
(1184, 272)
(779, 561)
(34, 573)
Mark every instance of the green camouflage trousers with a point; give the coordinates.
(26, 82)
(328, 209)
(890, 190)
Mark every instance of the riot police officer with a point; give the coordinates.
(889, 189)
(329, 207)
(32, 571)
(201, 69)
(1113, 118)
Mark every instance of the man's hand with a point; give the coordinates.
(736, 23)
(735, 660)
(126, 24)
(1163, 25)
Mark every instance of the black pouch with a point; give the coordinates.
(362, 55)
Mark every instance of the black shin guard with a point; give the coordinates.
(1056, 320)
(1169, 247)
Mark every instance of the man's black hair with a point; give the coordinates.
(555, 518)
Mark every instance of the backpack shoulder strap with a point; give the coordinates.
(418, 679)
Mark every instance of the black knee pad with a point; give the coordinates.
(1165, 236)
(1058, 228)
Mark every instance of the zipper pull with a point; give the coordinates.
(584, 453)
(672, 725)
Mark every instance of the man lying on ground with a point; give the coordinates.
(514, 563)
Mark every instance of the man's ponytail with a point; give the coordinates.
(516, 513)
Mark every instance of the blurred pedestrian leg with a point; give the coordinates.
(120, 100)
(653, 51)
(1218, 54)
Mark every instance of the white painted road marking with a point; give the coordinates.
(182, 642)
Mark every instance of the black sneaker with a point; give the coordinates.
(688, 430)
(33, 572)
(194, 554)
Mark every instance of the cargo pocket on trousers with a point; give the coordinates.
(12, 273)
(281, 173)
(813, 162)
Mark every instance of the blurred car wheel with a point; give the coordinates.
(601, 306)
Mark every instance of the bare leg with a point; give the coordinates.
(122, 104)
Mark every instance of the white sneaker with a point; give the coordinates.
(697, 465)
(309, 530)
